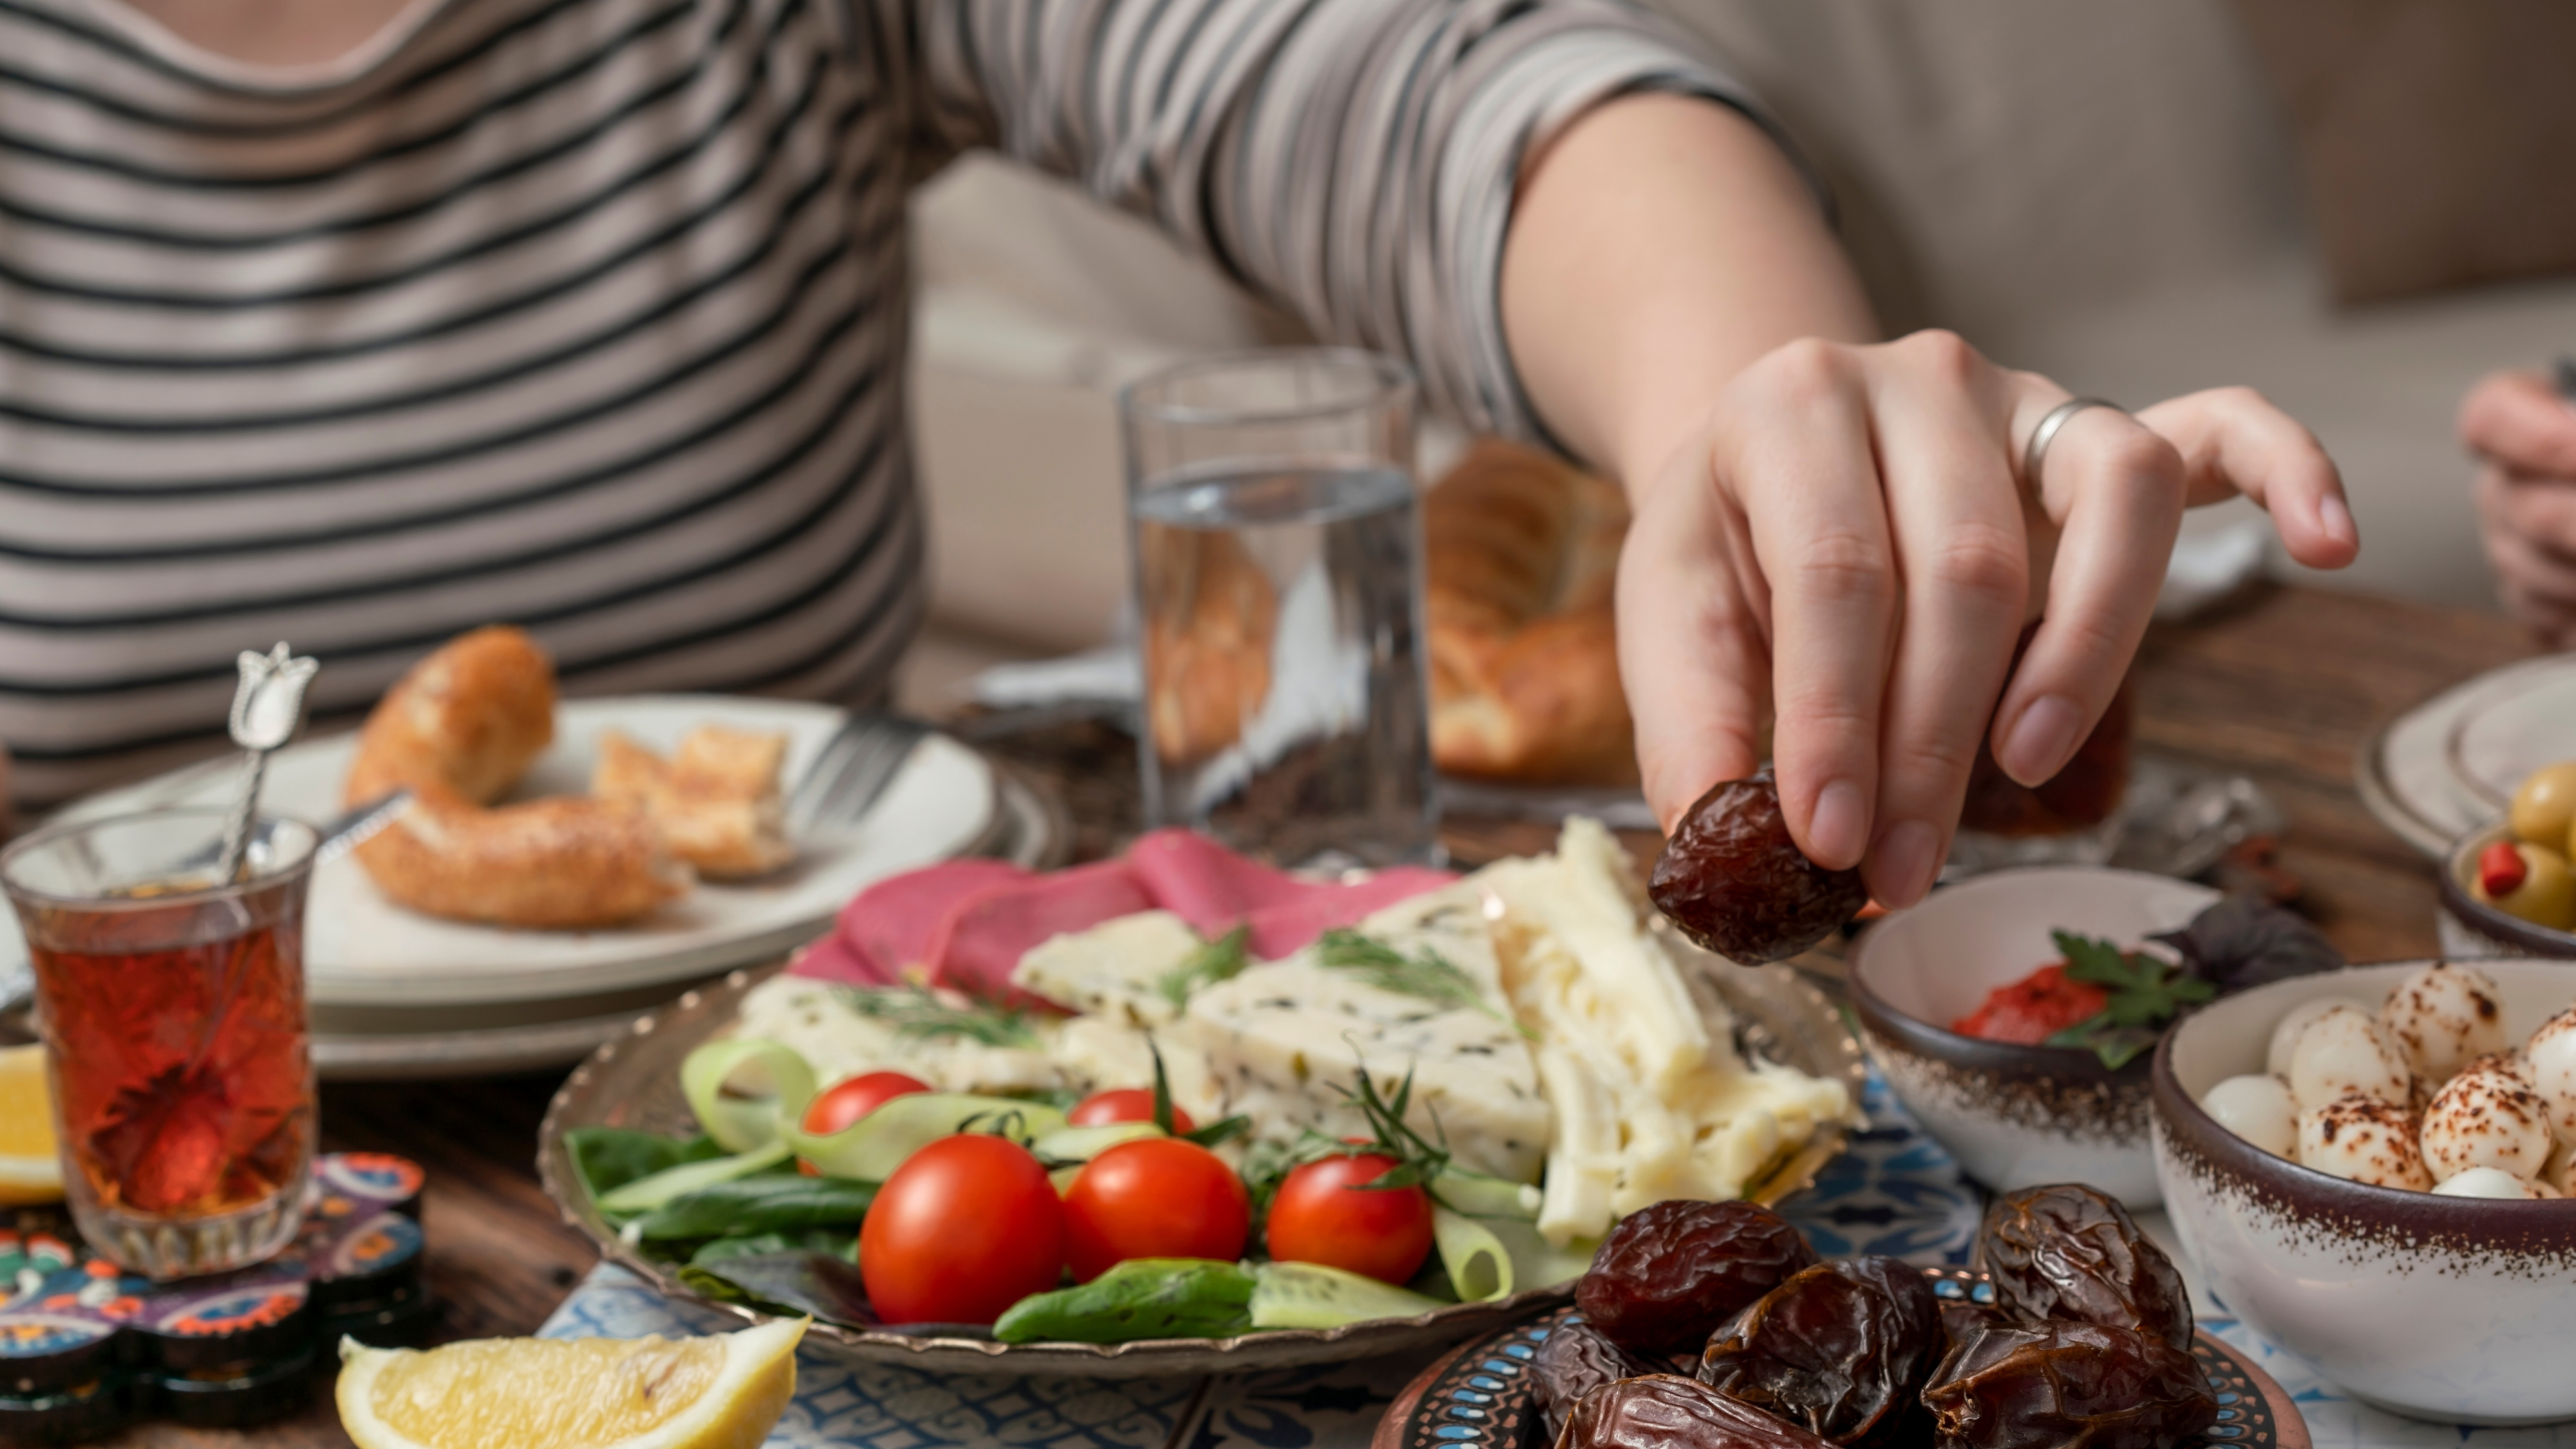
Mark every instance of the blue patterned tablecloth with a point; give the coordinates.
(1896, 1191)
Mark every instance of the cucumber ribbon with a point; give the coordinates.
(770, 1086)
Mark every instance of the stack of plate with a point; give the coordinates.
(2450, 765)
(396, 994)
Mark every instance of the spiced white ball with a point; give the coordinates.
(2363, 1139)
(2258, 1109)
(2487, 1116)
(2491, 1182)
(2550, 1059)
(2445, 1016)
(2285, 1032)
(2343, 1051)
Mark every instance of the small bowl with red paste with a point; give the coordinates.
(1988, 1008)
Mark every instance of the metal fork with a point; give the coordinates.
(853, 768)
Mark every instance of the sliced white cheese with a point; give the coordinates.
(1624, 985)
(1279, 1038)
(816, 1019)
(1115, 969)
(1099, 1054)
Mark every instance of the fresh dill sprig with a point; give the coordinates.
(1429, 975)
(919, 1014)
(1219, 960)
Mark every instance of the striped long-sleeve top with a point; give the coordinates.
(589, 314)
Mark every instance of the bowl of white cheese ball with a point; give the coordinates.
(2372, 1167)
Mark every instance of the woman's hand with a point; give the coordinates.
(2525, 438)
(1844, 542)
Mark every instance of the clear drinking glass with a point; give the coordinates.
(172, 1009)
(1277, 543)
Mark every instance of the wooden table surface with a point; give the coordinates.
(2281, 689)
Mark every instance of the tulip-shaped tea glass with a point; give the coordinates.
(172, 1009)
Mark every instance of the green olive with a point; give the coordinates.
(2544, 805)
(2547, 895)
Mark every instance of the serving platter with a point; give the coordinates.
(363, 953)
(633, 1082)
(1478, 1396)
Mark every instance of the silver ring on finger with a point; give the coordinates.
(2049, 426)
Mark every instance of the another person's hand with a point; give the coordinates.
(1845, 542)
(2524, 436)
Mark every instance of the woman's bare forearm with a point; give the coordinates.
(1659, 245)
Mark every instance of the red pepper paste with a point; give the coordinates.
(2028, 1011)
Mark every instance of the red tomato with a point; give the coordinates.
(966, 1227)
(1124, 1104)
(2029, 1010)
(843, 1103)
(1322, 1215)
(1158, 1197)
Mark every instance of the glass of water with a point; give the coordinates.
(1277, 544)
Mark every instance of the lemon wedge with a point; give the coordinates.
(30, 1171)
(720, 1392)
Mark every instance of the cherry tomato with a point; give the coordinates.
(1322, 1215)
(845, 1102)
(1157, 1197)
(1124, 1104)
(966, 1227)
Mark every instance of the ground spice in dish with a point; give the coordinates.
(2028, 1011)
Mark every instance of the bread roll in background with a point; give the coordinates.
(1520, 553)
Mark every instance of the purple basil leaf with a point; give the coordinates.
(2244, 941)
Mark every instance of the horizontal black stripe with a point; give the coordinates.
(716, 128)
(372, 98)
(579, 481)
(833, 415)
(892, 511)
(552, 290)
(534, 365)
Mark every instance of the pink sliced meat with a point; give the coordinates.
(1280, 929)
(893, 923)
(833, 959)
(989, 932)
(1206, 884)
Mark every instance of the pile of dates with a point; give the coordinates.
(1712, 1325)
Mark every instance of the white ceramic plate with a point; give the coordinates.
(2445, 767)
(363, 951)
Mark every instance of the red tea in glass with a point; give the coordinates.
(173, 1017)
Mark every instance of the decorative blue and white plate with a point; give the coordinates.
(1478, 1396)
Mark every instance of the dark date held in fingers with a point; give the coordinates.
(2067, 1251)
(1842, 1348)
(2055, 1384)
(1671, 1274)
(1667, 1411)
(1733, 880)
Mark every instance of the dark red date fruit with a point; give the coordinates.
(1671, 1274)
(2070, 1252)
(1667, 1411)
(1842, 1349)
(1576, 1359)
(2055, 1384)
(1732, 880)
(1962, 1320)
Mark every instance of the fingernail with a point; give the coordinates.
(2041, 739)
(1908, 858)
(1839, 829)
(2334, 520)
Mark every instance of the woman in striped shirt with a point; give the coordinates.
(360, 322)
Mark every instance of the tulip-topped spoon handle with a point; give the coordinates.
(268, 707)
